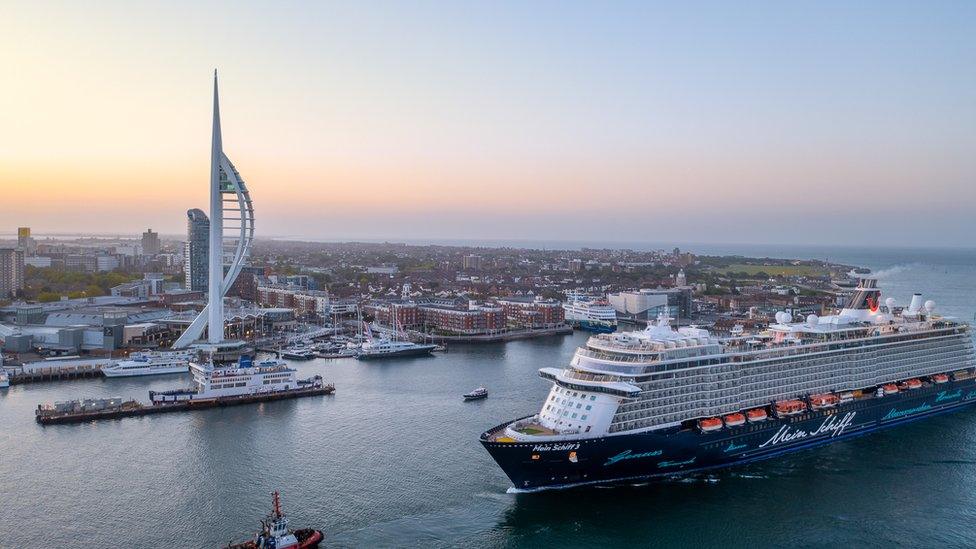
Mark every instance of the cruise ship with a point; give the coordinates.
(663, 402)
(151, 363)
(247, 377)
(591, 314)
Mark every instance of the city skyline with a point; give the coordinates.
(641, 123)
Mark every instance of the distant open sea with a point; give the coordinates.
(393, 460)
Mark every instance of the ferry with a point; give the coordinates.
(151, 363)
(247, 377)
(275, 534)
(650, 404)
(590, 314)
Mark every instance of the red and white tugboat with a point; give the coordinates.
(275, 534)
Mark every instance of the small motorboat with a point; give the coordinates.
(275, 533)
(477, 394)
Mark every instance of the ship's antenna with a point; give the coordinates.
(277, 504)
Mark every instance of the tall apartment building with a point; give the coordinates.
(196, 250)
(11, 272)
(25, 241)
(150, 242)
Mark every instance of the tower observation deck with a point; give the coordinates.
(231, 238)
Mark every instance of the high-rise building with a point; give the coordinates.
(471, 262)
(25, 242)
(150, 242)
(11, 272)
(196, 250)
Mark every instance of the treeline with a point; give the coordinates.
(49, 283)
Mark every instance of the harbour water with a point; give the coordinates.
(392, 459)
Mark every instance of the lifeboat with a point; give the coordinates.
(846, 396)
(826, 400)
(710, 424)
(790, 407)
(890, 389)
(960, 375)
(914, 383)
(940, 378)
(734, 420)
(757, 414)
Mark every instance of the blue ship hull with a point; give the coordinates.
(594, 326)
(677, 452)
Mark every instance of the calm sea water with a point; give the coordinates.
(392, 459)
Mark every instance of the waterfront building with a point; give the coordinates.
(11, 272)
(150, 242)
(196, 250)
(647, 304)
(532, 312)
(38, 261)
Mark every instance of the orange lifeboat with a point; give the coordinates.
(710, 424)
(790, 407)
(940, 378)
(734, 420)
(890, 389)
(756, 414)
(914, 383)
(826, 400)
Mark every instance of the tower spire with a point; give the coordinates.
(215, 295)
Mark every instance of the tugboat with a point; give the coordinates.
(275, 534)
(477, 394)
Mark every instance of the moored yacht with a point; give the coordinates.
(151, 363)
(651, 403)
(298, 352)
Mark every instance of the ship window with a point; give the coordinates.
(584, 417)
(592, 397)
(574, 416)
(588, 407)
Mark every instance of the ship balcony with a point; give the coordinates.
(565, 379)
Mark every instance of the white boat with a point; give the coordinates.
(384, 347)
(4, 377)
(151, 363)
(590, 314)
(298, 352)
(247, 377)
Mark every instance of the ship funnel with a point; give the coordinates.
(916, 305)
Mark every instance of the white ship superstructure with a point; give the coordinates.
(661, 378)
(151, 363)
(590, 313)
(245, 378)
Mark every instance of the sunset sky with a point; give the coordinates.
(707, 122)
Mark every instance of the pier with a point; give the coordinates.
(133, 409)
(55, 375)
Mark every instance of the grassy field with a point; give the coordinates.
(776, 270)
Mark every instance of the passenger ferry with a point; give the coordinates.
(662, 402)
(247, 377)
(590, 314)
(151, 363)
